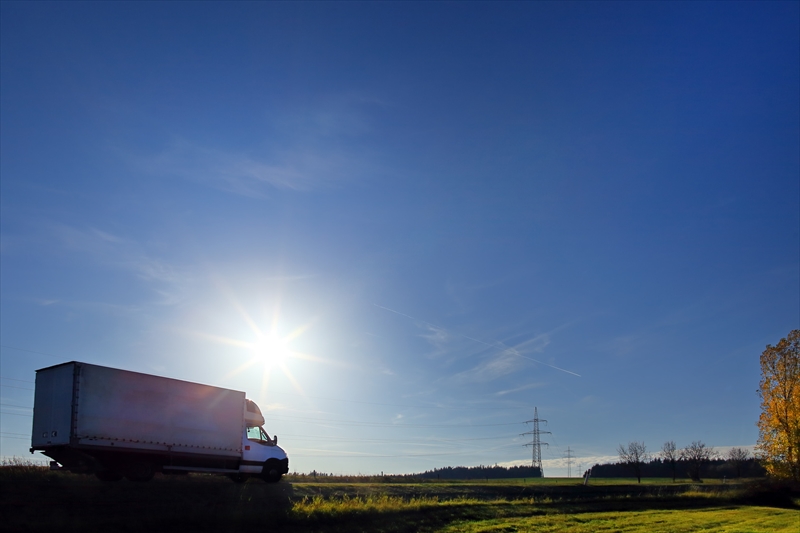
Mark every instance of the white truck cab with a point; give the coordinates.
(261, 454)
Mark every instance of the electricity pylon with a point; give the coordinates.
(536, 444)
(569, 462)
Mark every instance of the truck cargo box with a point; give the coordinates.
(85, 405)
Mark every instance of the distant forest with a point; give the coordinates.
(480, 472)
(717, 468)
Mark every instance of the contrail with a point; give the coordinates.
(496, 344)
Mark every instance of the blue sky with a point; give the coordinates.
(442, 215)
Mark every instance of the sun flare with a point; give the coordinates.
(267, 349)
(272, 351)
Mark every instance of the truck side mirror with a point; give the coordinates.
(275, 440)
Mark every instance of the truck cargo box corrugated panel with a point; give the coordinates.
(140, 408)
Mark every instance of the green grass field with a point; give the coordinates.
(34, 499)
(738, 519)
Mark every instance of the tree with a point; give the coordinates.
(779, 424)
(738, 456)
(634, 455)
(696, 455)
(671, 455)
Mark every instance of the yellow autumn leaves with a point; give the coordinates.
(779, 424)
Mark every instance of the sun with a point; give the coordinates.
(271, 350)
(268, 349)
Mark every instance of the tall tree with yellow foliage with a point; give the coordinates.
(779, 424)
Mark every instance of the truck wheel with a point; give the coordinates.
(270, 473)
(108, 475)
(139, 471)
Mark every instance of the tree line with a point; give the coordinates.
(691, 461)
(658, 467)
(480, 472)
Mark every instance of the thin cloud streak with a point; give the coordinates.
(297, 169)
(128, 255)
(496, 344)
(498, 366)
(519, 389)
(232, 172)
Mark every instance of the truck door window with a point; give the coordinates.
(258, 434)
(254, 433)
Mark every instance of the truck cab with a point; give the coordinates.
(261, 454)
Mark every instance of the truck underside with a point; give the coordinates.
(135, 465)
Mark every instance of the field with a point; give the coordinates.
(35, 499)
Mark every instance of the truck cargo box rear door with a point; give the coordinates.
(52, 406)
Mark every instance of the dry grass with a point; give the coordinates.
(18, 467)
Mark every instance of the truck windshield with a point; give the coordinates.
(258, 434)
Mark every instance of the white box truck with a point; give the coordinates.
(115, 423)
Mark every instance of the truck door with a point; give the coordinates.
(52, 406)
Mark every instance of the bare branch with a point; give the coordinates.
(634, 455)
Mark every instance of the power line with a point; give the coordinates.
(384, 424)
(408, 406)
(22, 380)
(419, 441)
(12, 405)
(345, 455)
(13, 387)
(31, 351)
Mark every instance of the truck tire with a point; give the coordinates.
(108, 475)
(271, 472)
(139, 471)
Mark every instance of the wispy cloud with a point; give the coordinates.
(114, 251)
(436, 335)
(101, 307)
(496, 366)
(536, 344)
(519, 389)
(585, 462)
(501, 360)
(260, 173)
(301, 150)
(152, 269)
(723, 450)
(273, 407)
(89, 240)
(234, 172)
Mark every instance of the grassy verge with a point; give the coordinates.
(35, 499)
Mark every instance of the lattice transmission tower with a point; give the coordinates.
(536, 443)
(569, 462)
